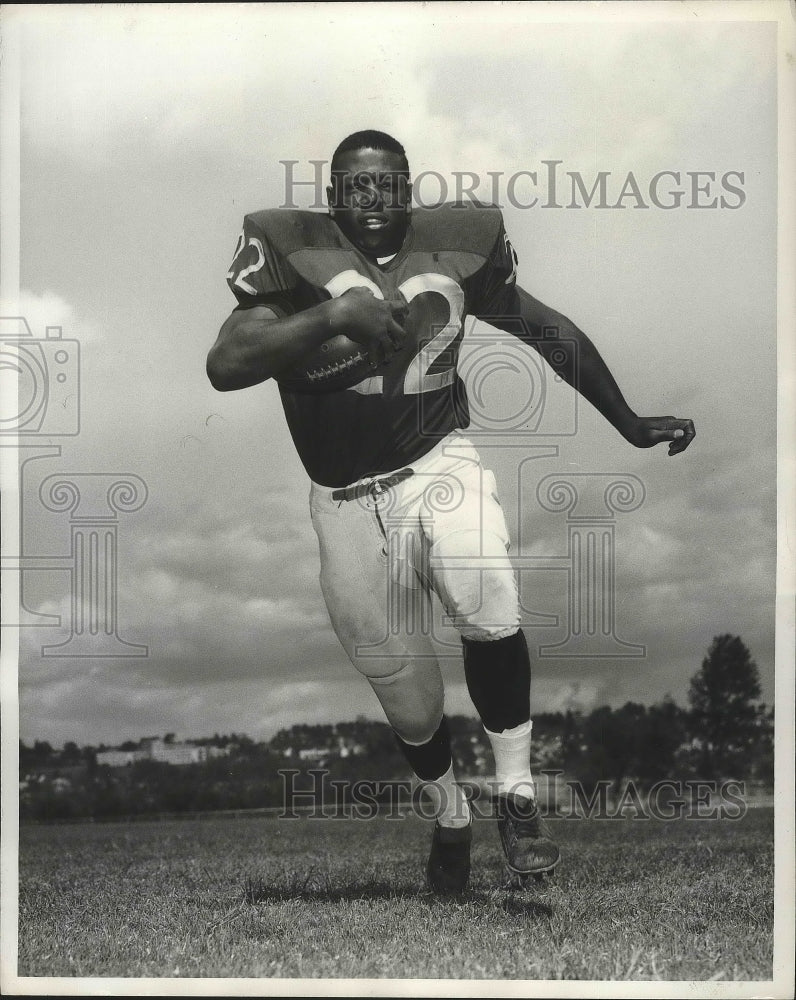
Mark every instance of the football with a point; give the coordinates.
(337, 364)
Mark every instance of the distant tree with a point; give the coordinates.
(281, 741)
(551, 722)
(763, 766)
(466, 750)
(725, 719)
(660, 741)
(612, 741)
(89, 755)
(244, 746)
(71, 753)
(42, 751)
(572, 745)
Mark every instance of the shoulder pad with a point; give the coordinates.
(464, 225)
(289, 230)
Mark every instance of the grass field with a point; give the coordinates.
(637, 900)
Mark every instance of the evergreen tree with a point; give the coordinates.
(726, 720)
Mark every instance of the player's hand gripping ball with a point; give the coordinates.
(340, 362)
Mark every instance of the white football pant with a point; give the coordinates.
(440, 531)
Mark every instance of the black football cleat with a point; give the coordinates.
(526, 840)
(448, 869)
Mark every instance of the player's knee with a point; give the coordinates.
(412, 698)
(382, 669)
(417, 731)
(477, 584)
(361, 639)
(492, 611)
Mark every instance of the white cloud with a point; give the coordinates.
(226, 77)
(49, 309)
(235, 79)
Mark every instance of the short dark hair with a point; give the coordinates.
(369, 138)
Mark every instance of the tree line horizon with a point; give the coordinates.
(725, 733)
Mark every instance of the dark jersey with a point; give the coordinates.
(456, 261)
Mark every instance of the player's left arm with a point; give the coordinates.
(546, 331)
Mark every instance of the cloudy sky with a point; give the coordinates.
(146, 134)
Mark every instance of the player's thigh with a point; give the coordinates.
(468, 557)
(461, 495)
(377, 620)
(476, 584)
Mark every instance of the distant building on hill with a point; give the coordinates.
(320, 743)
(155, 748)
(118, 758)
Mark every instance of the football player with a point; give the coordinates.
(399, 500)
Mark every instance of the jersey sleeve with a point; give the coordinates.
(495, 284)
(258, 274)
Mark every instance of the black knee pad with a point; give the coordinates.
(498, 675)
(430, 760)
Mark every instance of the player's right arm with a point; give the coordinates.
(268, 334)
(256, 344)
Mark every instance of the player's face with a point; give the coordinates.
(370, 195)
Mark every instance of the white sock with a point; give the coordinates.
(450, 803)
(512, 752)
